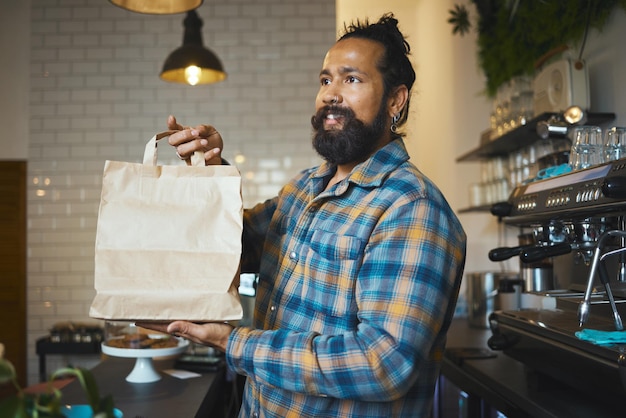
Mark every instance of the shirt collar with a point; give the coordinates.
(373, 170)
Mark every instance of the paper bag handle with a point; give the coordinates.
(150, 154)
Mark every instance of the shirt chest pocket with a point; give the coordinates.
(332, 266)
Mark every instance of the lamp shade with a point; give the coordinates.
(158, 7)
(192, 63)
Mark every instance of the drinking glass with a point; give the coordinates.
(587, 147)
(476, 195)
(615, 144)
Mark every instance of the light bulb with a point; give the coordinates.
(192, 74)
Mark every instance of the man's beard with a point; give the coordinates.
(354, 142)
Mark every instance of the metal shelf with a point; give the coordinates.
(483, 208)
(521, 137)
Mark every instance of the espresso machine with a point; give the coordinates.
(573, 264)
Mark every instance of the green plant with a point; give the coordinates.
(514, 35)
(48, 403)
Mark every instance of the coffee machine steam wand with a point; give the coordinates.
(598, 264)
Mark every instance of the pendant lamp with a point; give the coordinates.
(192, 63)
(158, 7)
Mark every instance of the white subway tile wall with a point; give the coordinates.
(96, 95)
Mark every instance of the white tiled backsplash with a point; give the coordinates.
(96, 95)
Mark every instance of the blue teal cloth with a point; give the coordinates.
(553, 171)
(602, 337)
(356, 290)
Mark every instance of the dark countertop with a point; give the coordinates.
(167, 398)
(507, 384)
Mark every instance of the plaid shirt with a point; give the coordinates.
(357, 287)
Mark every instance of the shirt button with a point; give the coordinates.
(293, 255)
(255, 415)
(272, 308)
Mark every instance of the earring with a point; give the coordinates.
(394, 122)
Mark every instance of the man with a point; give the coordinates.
(359, 259)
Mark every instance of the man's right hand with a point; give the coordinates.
(203, 138)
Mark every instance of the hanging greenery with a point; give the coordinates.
(514, 35)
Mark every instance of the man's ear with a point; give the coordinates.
(398, 99)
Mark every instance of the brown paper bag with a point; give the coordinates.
(168, 241)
